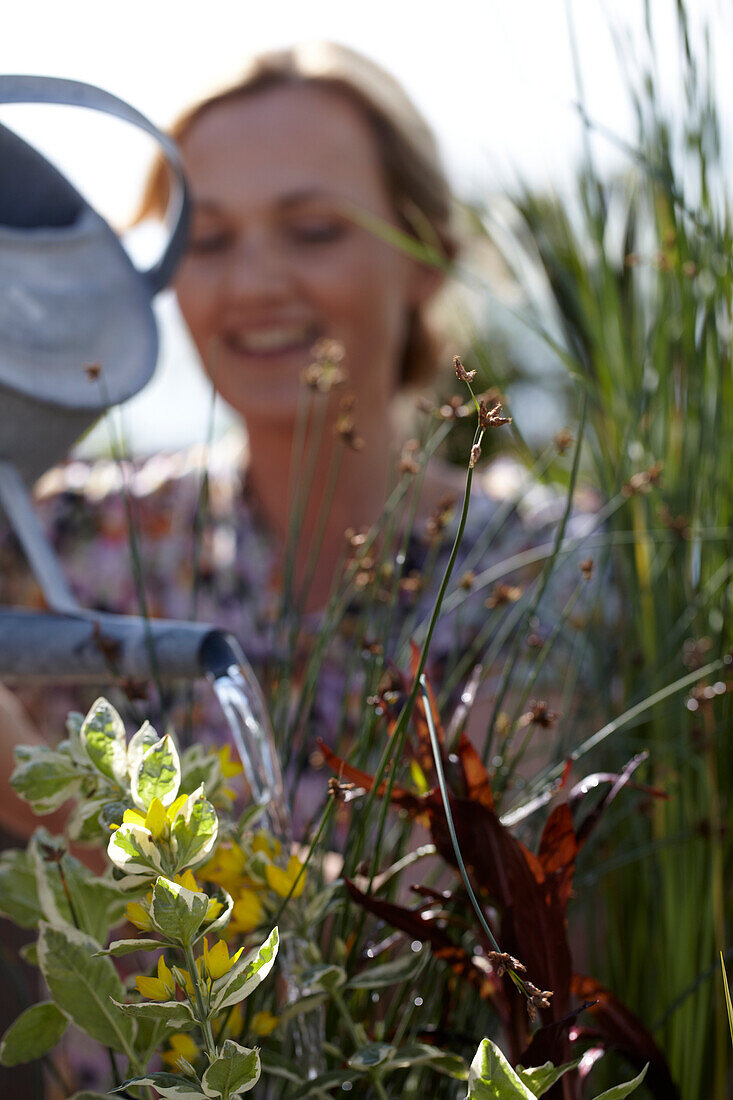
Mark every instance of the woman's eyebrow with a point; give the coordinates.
(304, 195)
(283, 203)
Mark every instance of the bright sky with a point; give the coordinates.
(495, 79)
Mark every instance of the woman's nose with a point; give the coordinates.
(256, 271)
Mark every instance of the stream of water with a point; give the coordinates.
(241, 699)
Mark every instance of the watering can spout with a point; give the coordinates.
(91, 648)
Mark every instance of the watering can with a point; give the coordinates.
(69, 295)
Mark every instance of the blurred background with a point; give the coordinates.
(498, 82)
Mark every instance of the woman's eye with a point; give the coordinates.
(205, 243)
(317, 231)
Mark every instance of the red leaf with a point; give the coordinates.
(478, 785)
(624, 1031)
(533, 925)
(558, 849)
(420, 927)
(400, 797)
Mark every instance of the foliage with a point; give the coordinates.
(632, 284)
(160, 835)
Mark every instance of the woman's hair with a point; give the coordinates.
(414, 176)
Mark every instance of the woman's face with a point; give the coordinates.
(275, 263)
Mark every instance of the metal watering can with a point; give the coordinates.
(69, 295)
(71, 298)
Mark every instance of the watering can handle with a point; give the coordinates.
(74, 93)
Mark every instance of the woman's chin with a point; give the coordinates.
(267, 388)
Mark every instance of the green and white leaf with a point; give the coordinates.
(199, 767)
(371, 1056)
(492, 1078)
(112, 814)
(18, 892)
(139, 744)
(49, 888)
(235, 1071)
(177, 913)
(194, 830)
(103, 736)
(157, 774)
(46, 780)
(177, 1014)
(416, 1054)
(98, 902)
(84, 823)
(302, 1005)
(169, 1085)
(35, 1031)
(619, 1092)
(222, 920)
(133, 850)
(84, 987)
(541, 1078)
(323, 977)
(405, 968)
(245, 975)
(77, 749)
(118, 948)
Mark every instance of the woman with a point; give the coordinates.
(282, 167)
(302, 176)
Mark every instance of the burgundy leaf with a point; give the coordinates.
(622, 1030)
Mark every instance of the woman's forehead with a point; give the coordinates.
(283, 145)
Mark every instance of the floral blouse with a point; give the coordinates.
(205, 554)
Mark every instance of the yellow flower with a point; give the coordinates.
(264, 1022)
(157, 820)
(281, 881)
(213, 909)
(162, 988)
(138, 915)
(229, 767)
(234, 1022)
(187, 880)
(226, 867)
(181, 1046)
(246, 914)
(217, 961)
(266, 844)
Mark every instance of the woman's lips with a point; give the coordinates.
(270, 342)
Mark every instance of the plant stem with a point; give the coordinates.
(203, 1018)
(358, 1039)
(322, 825)
(395, 745)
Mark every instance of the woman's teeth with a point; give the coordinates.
(271, 340)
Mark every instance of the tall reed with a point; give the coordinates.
(636, 276)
